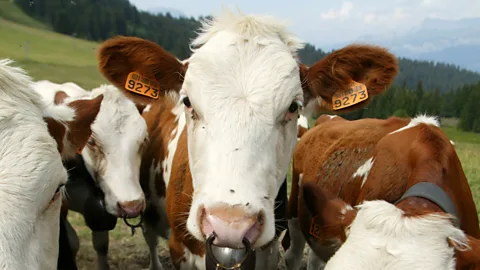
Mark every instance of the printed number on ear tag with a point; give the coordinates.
(139, 84)
(354, 95)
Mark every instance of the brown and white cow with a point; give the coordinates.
(371, 164)
(220, 149)
(112, 159)
(34, 139)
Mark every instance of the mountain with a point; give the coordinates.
(452, 41)
(92, 20)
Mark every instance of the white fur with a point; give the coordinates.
(363, 170)
(303, 122)
(381, 237)
(119, 131)
(172, 144)
(31, 169)
(192, 261)
(420, 119)
(241, 82)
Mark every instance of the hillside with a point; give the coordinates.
(99, 20)
(46, 54)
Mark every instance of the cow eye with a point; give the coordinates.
(187, 103)
(56, 195)
(294, 106)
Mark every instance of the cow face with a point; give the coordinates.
(379, 235)
(35, 138)
(241, 92)
(113, 152)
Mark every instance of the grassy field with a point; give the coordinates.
(59, 58)
(45, 54)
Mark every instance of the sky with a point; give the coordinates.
(329, 23)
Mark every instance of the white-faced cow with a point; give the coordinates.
(381, 194)
(112, 159)
(220, 150)
(34, 139)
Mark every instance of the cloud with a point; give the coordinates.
(341, 13)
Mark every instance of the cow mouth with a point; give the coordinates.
(134, 226)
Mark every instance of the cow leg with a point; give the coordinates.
(151, 238)
(72, 238)
(294, 254)
(268, 257)
(100, 243)
(314, 262)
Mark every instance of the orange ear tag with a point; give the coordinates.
(141, 85)
(354, 95)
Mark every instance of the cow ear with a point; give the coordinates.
(79, 129)
(72, 128)
(60, 97)
(467, 251)
(330, 215)
(349, 78)
(141, 68)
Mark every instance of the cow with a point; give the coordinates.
(36, 137)
(302, 126)
(112, 159)
(223, 126)
(392, 189)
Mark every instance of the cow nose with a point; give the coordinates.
(231, 224)
(131, 209)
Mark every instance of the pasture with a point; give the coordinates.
(55, 57)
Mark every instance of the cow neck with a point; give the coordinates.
(434, 193)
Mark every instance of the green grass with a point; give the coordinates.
(50, 56)
(11, 12)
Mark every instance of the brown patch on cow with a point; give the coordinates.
(468, 259)
(57, 131)
(300, 132)
(329, 215)
(325, 118)
(85, 113)
(331, 152)
(119, 56)
(140, 107)
(373, 66)
(59, 98)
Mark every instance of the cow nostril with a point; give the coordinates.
(131, 209)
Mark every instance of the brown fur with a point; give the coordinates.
(85, 113)
(119, 56)
(421, 153)
(371, 65)
(79, 129)
(60, 96)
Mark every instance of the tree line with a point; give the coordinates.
(401, 101)
(420, 87)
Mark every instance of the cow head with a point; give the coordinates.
(113, 153)
(35, 137)
(241, 92)
(380, 235)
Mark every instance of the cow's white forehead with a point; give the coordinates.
(244, 58)
(118, 116)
